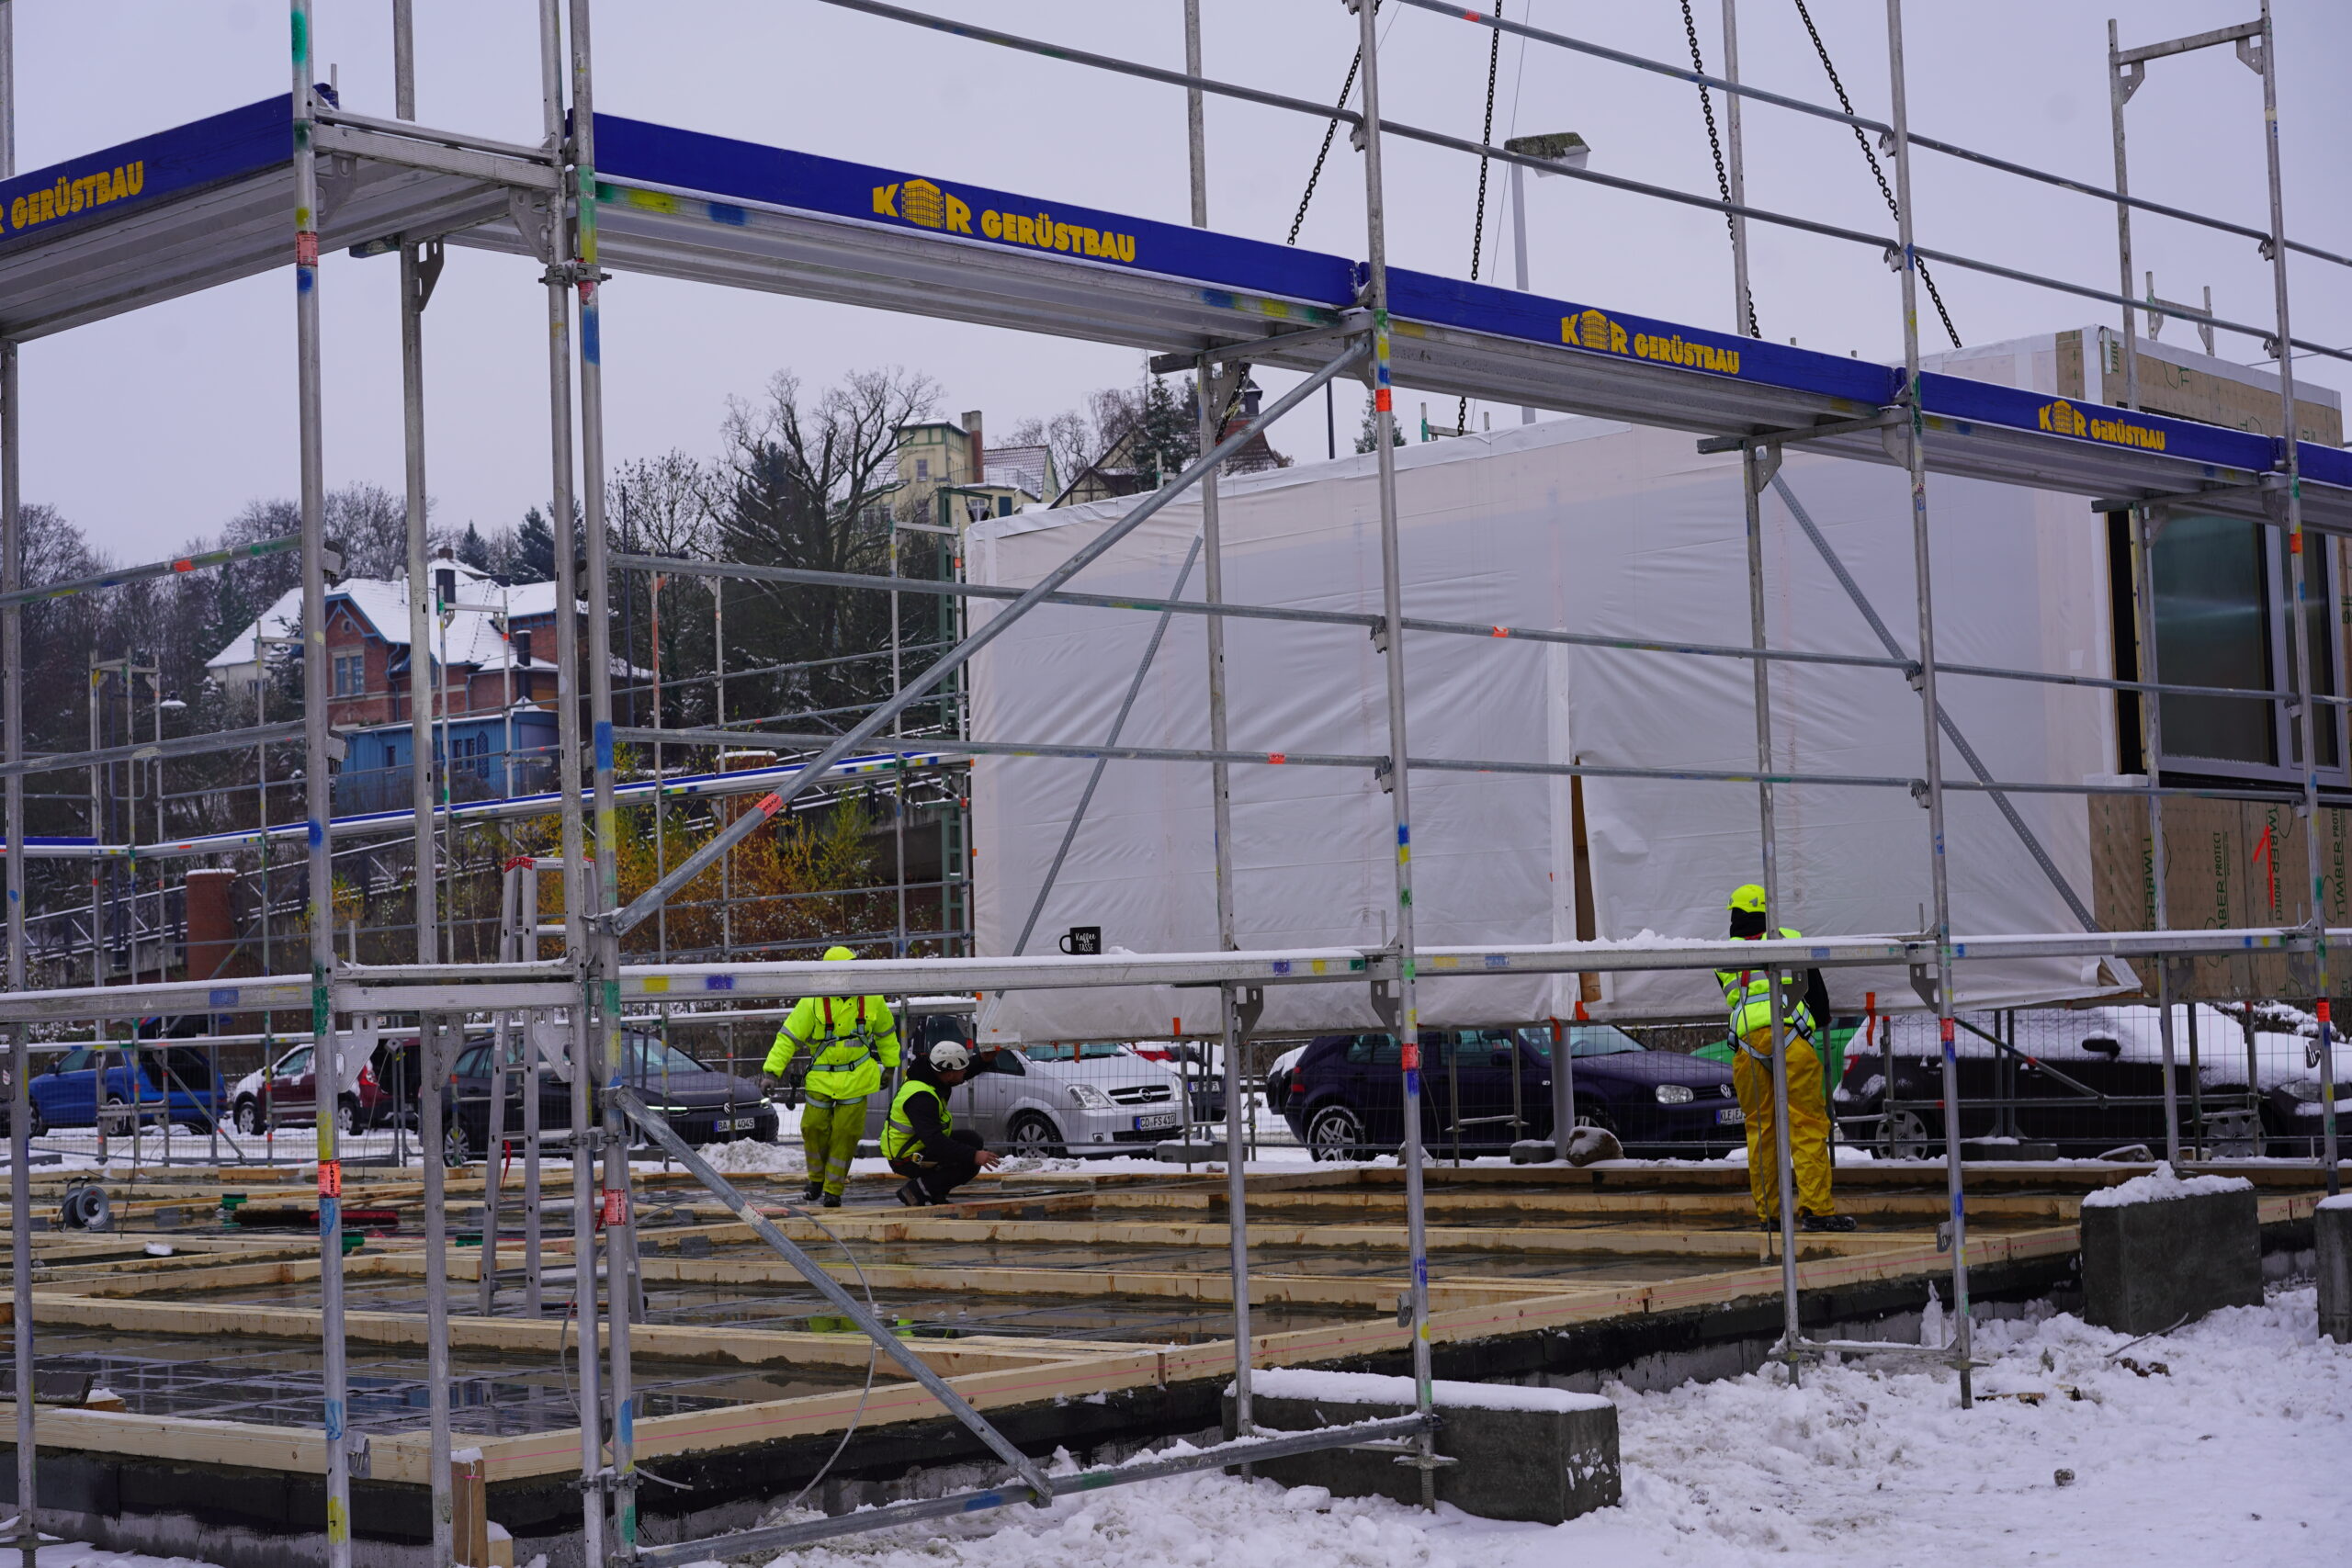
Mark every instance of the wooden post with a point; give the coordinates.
(469, 1502)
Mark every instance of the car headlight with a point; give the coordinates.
(1674, 1094)
(1093, 1098)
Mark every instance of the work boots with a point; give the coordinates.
(1827, 1223)
(812, 1191)
(913, 1196)
(830, 1200)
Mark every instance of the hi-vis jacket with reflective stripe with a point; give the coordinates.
(849, 1038)
(1748, 994)
(899, 1132)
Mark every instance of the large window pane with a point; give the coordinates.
(2212, 630)
(2326, 717)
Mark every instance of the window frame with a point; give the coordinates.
(2325, 583)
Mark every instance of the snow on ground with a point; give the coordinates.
(2229, 1454)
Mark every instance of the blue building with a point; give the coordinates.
(490, 756)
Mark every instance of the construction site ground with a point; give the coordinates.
(1074, 1306)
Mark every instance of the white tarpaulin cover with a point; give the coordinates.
(1574, 525)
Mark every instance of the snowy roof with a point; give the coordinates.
(1023, 467)
(279, 620)
(472, 638)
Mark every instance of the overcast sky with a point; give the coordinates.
(154, 427)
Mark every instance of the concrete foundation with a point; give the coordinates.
(2148, 1267)
(2332, 1238)
(1540, 1455)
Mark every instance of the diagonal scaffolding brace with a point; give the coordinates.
(655, 1128)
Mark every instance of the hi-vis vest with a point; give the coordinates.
(1747, 993)
(842, 1034)
(899, 1132)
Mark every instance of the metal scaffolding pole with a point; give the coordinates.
(603, 1000)
(1743, 305)
(558, 278)
(318, 804)
(12, 721)
(1213, 389)
(2305, 681)
(421, 685)
(2122, 83)
(1392, 645)
(12, 794)
(1752, 475)
(1940, 914)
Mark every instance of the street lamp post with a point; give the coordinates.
(1564, 148)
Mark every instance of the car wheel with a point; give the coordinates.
(1334, 1131)
(346, 1117)
(35, 1126)
(246, 1118)
(1033, 1135)
(1907, 1137)
(117, 1115)
(456, 1149)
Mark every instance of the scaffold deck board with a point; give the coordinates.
(208, 201)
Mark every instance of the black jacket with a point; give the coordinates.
(924, 1113)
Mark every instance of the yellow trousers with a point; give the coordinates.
(1808, 1127)
(829, 1135)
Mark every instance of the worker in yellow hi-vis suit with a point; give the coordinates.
(848, 1039)
(1804, 1008)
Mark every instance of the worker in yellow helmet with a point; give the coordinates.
(848, 1040)
(1805, 1011)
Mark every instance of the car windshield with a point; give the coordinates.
(1584, 1040)
(652, 1056)
(1066, 1051)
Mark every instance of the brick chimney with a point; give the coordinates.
(979, 473)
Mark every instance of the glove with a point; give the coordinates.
(771, 1086)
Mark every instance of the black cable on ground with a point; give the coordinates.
(1485, 139)
(1869, 156)
(1715, 145)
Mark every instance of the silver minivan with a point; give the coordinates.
(1060, 1098)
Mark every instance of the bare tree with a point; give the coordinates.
(810, 482)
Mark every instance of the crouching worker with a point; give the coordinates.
(919, 1139)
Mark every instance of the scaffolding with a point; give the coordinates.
(600, 192)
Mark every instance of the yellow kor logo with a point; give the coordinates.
(1592, 330)
(2061, 418)
(924, 204)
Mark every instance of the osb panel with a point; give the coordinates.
(2228, 864)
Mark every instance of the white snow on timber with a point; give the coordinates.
(1366, 1388)
(2226, 1459)
(2341, 1200)
(748, 1157)
(2162, 1185)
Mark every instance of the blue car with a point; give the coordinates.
(1343, 1095)
(177, 1081)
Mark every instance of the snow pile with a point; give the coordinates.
(2161, 1186)
(2222, 1458)
(1365, 1388)
(2341, 1200)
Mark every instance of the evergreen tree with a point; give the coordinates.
(1366, 436)
(473, 550)
(533, 556)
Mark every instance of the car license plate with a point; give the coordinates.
(738, 1124)
(1731, 1118)
(1157, 1122)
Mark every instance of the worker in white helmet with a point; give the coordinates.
(921, 1139)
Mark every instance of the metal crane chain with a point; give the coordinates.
(1869, 156)
(1715, 145)
(1485, 139)
(1355, 63)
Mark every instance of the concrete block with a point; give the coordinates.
(2332, 1236)
(2158, 1251)
(1538, 1454)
